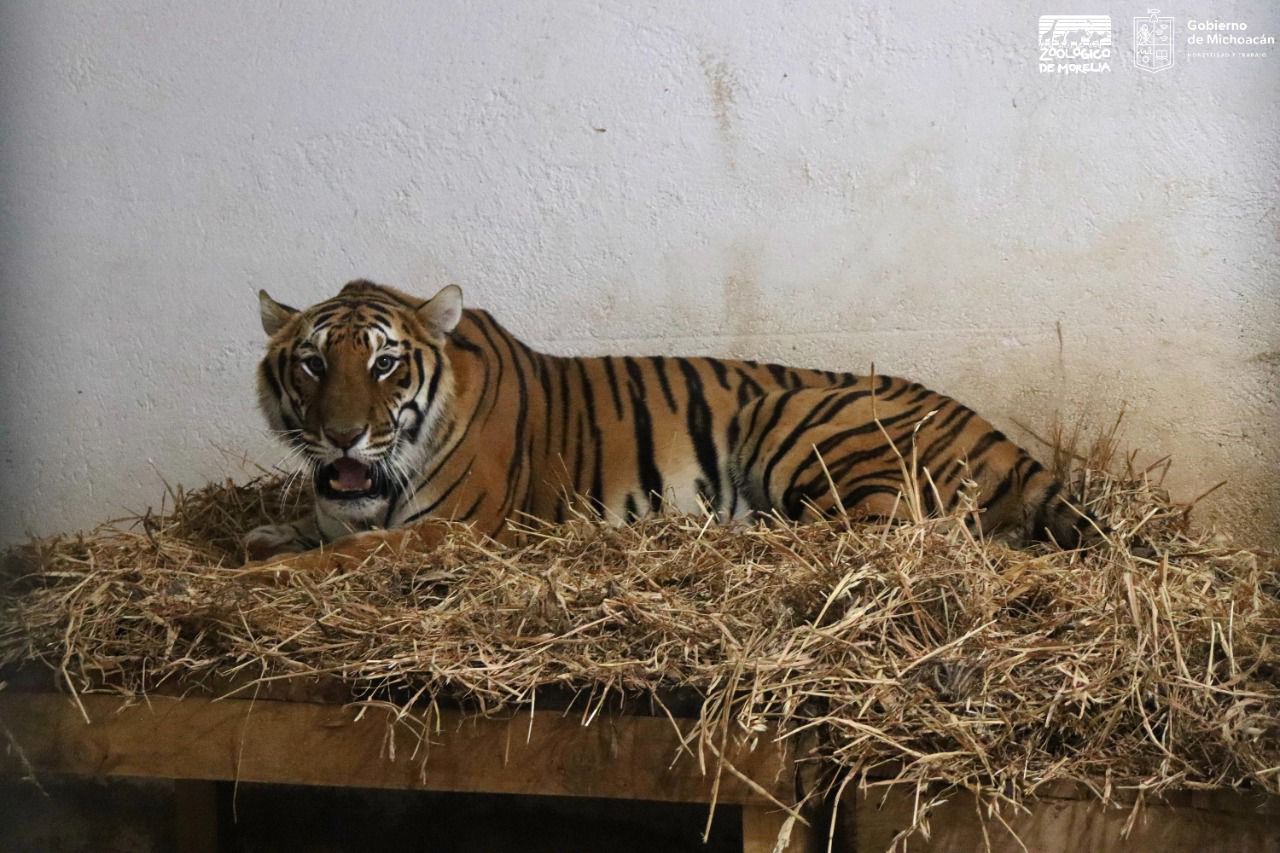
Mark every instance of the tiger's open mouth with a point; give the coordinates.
(348, 479)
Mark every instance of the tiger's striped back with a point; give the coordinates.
(858, 449)
(618, 436)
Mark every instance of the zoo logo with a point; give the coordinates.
(1075, 44)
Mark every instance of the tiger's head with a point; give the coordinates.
(356, 385)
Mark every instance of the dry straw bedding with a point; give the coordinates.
(910, 647)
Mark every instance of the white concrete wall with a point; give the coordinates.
(823, 183)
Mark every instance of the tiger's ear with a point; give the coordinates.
(274, 314)
(442, 312)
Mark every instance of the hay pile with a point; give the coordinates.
(910, 649)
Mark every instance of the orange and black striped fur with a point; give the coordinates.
(814, 452)
(409, 411)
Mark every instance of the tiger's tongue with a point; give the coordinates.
(352, 476)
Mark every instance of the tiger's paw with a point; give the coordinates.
(344, 554)
(272, 540)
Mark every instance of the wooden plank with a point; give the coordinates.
(1248, 824)
(195, 815)
(765, 830)
(624, 757)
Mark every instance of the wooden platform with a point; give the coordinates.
(199, 742)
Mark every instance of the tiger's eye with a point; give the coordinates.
(384, 363)
(314, 365)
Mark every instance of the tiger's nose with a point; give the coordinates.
(343, 440)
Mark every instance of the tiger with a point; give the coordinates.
(409, 413)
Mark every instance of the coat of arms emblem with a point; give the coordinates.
(1153, 42)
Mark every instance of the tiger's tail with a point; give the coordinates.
(1050, 514)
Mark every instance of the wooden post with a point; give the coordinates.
(763, 828)
(195, 815)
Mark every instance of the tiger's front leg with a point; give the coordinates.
(272, 540)
(350, 552)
